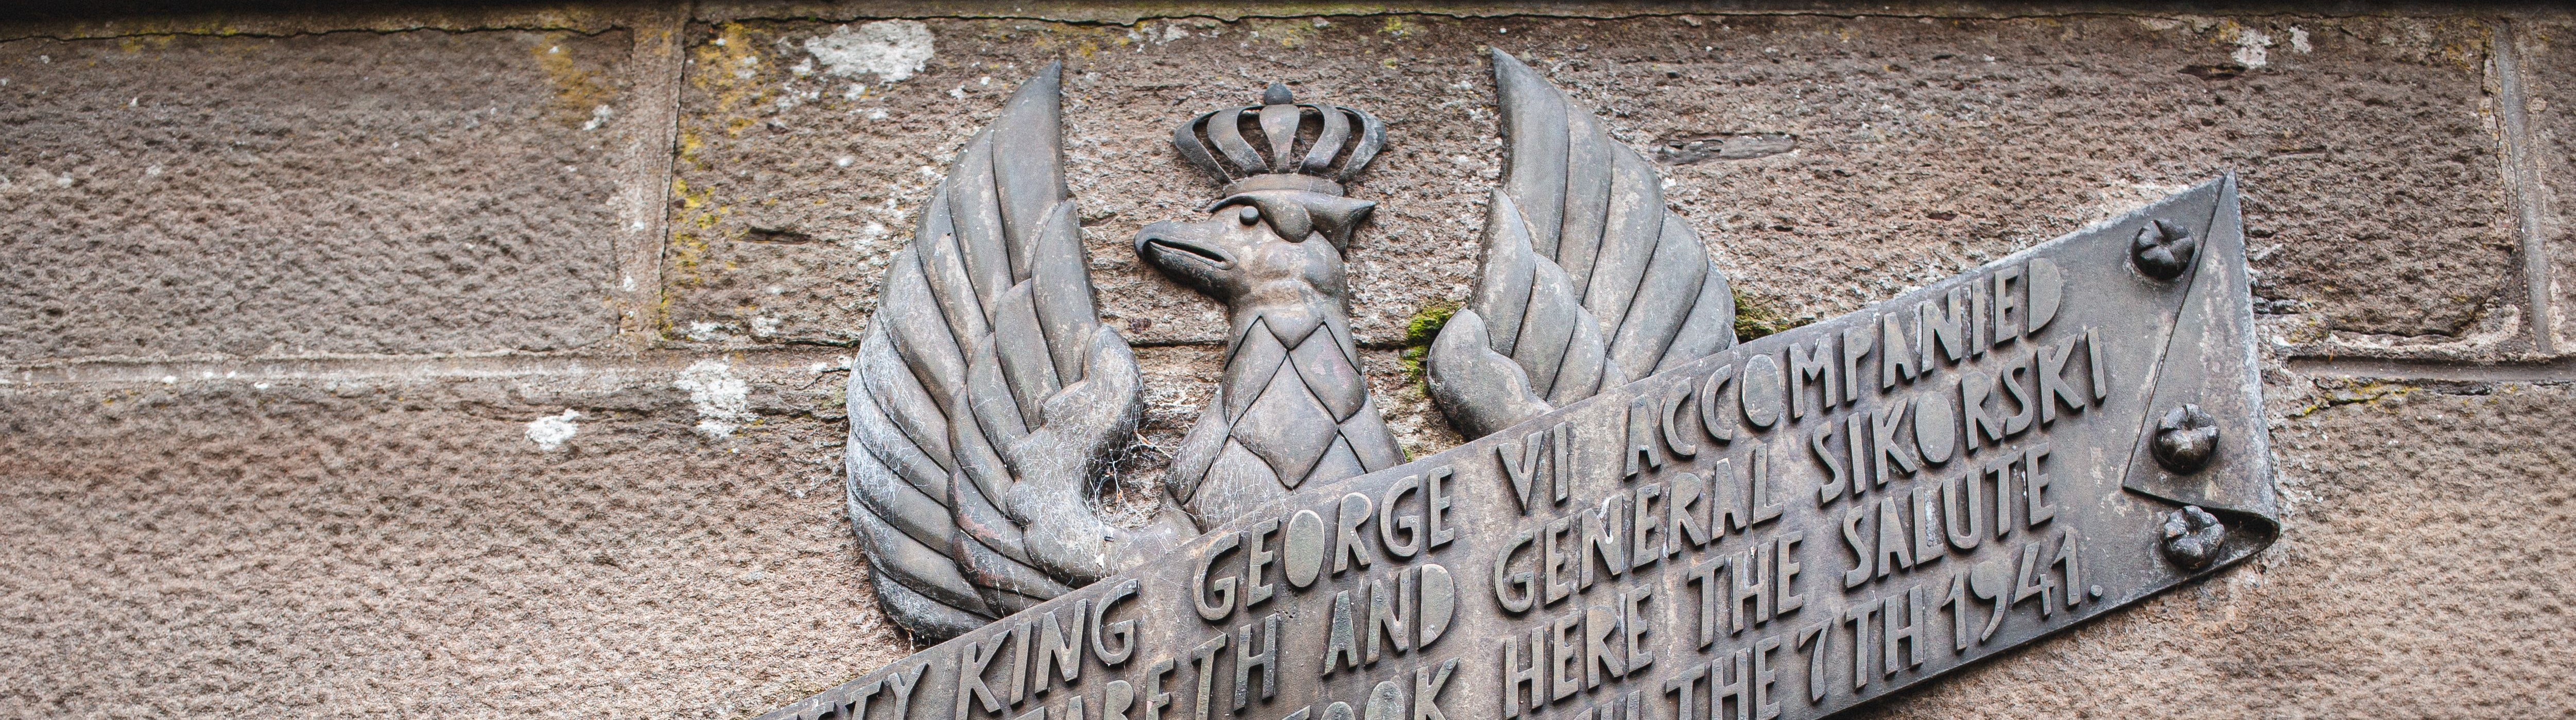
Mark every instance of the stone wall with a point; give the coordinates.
(464, 361)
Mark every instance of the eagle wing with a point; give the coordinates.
(987, 396)
(1587, 282)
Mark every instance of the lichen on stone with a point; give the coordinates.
(1755, 317)
(891, 49)
(1420, 330)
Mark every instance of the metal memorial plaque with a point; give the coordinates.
(1785, 528)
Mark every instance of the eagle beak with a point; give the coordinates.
(1177, 251)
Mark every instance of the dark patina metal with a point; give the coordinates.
(2185, 439)
(1292, 406)
(1786, 528)
(2163, 250)
(2193, 537)
(987, 395)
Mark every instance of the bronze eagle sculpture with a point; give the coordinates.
(987, 395)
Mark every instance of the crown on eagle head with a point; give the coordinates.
(1281, 144)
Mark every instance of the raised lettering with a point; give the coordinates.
(1386, 613)
(1386, 702)
(2033, 580)
(1895, 549)
(1929, 545)
(1764, 708)
(1815, 637)
(1304, 549)
(1635, 626)
(1891, 454)
(1116, 698)
(1864, 552)
(2025, 410)
(1600, 624)
(1057, 650)
(1675, 441)
(1645, 424)
(1896, 358)
(1784, 575)
(2046, 288)
(1520, 463)
(2035, 482)
(1856, 345)
(1712, 589)
(1684, 687)
(1759, 392)
(972, 691)
(1214, 597)
(1645, 522)
(1731, 677)
(1392, 524)
(1349, 549)
(1712, 409)
(1858, 615)
(1602, 545)
(1831, 488)
(1256, 562)
(1556, 560)
(2093, 360)
(1124, 630)
(1936, 427)
(1203, 660)
(1341, 636)
(904, 683)
(1506, 581)
(1983, 428)
(1245, 660)
(1749, 587)
(1565, 659)
(2070, 566)
(1757, 463)
(1684, 512)
(1436, 605)
(1998, 470)
(1523, 680)
(1427, 686)
(2052, 381)
(1945, 329)
(2007, 307)
(1155, 698)
(1435, 495)
(1809, 367)
(1910, 634)
(1957, 601)
(1962, 498)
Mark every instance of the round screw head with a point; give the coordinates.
(2163, 250)
(2186, 439)
(2192, 537)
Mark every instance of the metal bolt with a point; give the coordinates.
(2185, 440)
(2163, 250)
(2192, 537)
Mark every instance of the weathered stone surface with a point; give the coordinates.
(1911, 155)
(359, 192)
(2422, 560)
(220, 549)
(214, 548)
(2548, 62)
(1918, 155)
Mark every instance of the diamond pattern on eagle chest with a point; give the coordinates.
(1330, 375)
(1287, 424)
